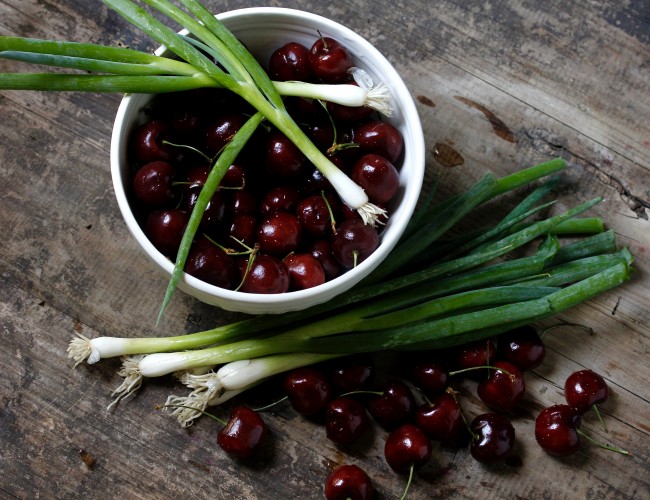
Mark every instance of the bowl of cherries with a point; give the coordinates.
(276, 235)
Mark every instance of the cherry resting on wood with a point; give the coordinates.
(346, 420)
(406, 447)
(493, 437)
(556, 430)
(584, 389)
(308, 390)
(522, 347)
(348, 482)
(243, 434)
(504, 388)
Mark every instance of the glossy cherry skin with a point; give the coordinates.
(406, 447)
(395, 405)
(290, 62)
(279, 199)
(329, 60)
(346, 420)
(504, 388)
(380, 138)
(243, 434)
(308, 390)
(152, 184)
(354, 242)
(377, 176)
(556, 430)
(279, 233)
(322, 250)
(147, 142)
(219, 133)
(441, 419)
(493, 438)
(348, 482)
(165, 229)
(352, 373)
(314, 216)
(243, 228)
(430, 377)
(522, 347)
(585, 388)
(211, 264)
(304, 271)
(283, 158)
(267, 274)
(475, 354)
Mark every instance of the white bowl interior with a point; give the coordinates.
(264, 29)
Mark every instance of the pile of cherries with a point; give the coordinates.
(272, 204)
(420, 407)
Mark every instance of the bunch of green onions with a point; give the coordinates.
(447, 299)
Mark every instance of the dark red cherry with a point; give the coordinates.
(165, 229)
(322, 250)
(321, 132)
(243, 228)
(290, 62)
(211, 264)
(219, 133)
(504, 388)
(380, 138)
(267, 274)
(493, 438)
(584, 389)
(556, 430)
(430, 377)
(348, 482)
(308, 390)
(279, 199)
(522, 347)
(152, 184)
(314, 216)
(406, 447)
(243, 434)
(441, 419)
(242, 202)
(147, 142)
(394, 406)
(329, 60)
(354, 242)
(283, 158)
(234, 177)
(474, 354)
(279, 233)
(346, 420)
(352, 373)
(304, 271)
(377, 176)
(214, 212)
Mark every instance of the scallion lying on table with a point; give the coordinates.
(448, 301)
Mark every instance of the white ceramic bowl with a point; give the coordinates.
(263, 30)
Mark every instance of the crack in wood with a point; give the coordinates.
(545, 141)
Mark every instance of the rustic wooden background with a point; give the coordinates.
(504, 83)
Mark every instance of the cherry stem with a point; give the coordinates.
(408, 484)
(601, 445)
(217, 419)
(489, 367)
(206, 157)
(352, 393)
(271, 405)
(331, 212)
(600, 417)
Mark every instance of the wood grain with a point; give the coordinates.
(504, 83)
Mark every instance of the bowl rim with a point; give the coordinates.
(330, 288)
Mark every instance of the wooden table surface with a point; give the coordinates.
(506, 83)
